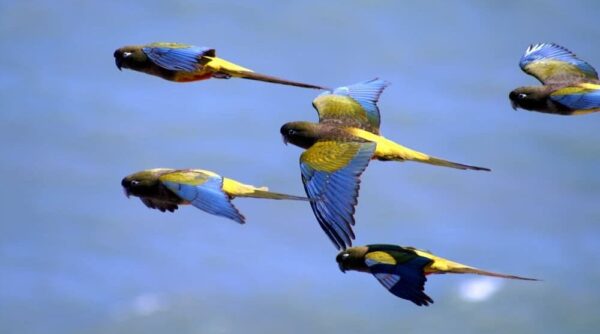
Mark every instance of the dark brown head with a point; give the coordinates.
(530, 98)
(353, 259)
(302, 134)
(132, 57)
(144, 184)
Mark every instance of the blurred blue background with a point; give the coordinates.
(76, 256)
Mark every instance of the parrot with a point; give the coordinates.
(338, 150)
(184, 63)
(165, 189)
(403, 270)
(570, 86)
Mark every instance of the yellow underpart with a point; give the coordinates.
(235, 188)
(584, 112)
(581, 88)
(439, 264)
(590, 85)
(221, 65)
(387, 149)
(381, 257)
(330, 156)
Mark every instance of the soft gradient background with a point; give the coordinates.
(77, 257)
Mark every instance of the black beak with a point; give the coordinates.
(285, 141)
(513, 100)
(118, 62)
(342, 269)
(125, 184)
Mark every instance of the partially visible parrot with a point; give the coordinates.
(184, 63)
(338, 150)
(570, 86)
(403, 270)
(165, 189)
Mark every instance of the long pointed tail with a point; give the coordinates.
(471, 270)
(446, 163)
(224, 69)
(389, 150)
(259, 193)
(268, 78)
(400, 152)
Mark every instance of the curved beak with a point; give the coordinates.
(118, 62)
(285, 141)
(126, 192)
(342, 269)
(514, 105)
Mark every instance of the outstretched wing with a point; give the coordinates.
(354, 105)
(552, 63)
(175, 56)
(331, 175)
(204, 191)
(403, 276)
(579, 99)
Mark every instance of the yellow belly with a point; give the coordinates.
(387, 149)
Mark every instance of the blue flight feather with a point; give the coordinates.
(411, 282)
(367, 94)
(176, 59)
(541, 51)
(208, 196)
(336, 195)
(585, 101)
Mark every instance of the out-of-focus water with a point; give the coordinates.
(77, 257)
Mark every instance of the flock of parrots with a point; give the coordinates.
(338, 149)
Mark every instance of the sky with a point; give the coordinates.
(77, 256)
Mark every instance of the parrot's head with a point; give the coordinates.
(132, 57)
(302, 134)
(529, 98)
(143, 184)
(353, 259)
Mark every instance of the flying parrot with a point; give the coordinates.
(184, 63)
(570, 86)
(403, 270)
(165, 189)
(338, 150)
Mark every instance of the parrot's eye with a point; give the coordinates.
(126, 54)
(135, 182)
(291, 132)
(521, 96)
(345, 255)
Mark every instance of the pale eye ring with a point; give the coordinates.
(291, 132)
(135, 182)
(521, 96)
(126, 54)
(345, 255)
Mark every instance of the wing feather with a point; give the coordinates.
(355, 105)
(204, 191)
(331, 174)
(552, 63)
(180, 58)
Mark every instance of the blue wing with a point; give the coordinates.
(367, 94)
(549, 62)
(177, 58)
(207, 196)
(405, 280)
(578, 99)
(331, 174)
